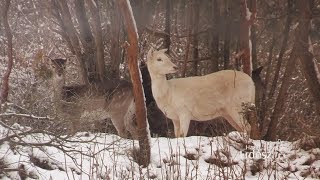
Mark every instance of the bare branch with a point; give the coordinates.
(30, 116)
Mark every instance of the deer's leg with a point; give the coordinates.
(184, 125)
(119, 124)
(74, 127)
(176, 124)
(236, 120)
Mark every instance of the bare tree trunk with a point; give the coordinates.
(186, 58)
(167, 29)
(195, 41)
(195, 56)
(87, 46)
(55, 12)
(215, 36)
(306, 57)
(138, 93)
(189, 25)
(264, 104)
(282, 49)
(271, 133)
(115, 42)
(99, 61)
(253, 37)
(298, 50)
(4, 91)
(72, 34)
(311, 73)
(86, 38)
(143, 11)
(244, 38)
(246, 20)
(226, 45)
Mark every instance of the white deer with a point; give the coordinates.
(199, 98)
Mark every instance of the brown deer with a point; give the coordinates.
(77, 104)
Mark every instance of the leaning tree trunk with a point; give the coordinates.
(135, 74)
(282, 49)
(4, 91)
(306, 57)
(271, 128)
(299, 50)
(263, 101)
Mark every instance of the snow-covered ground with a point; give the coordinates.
(105, 156)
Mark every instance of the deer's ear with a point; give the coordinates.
(150, 53)
(163, 50)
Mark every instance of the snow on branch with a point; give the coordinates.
(30, 116)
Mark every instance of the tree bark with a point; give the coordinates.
(282, 49)
(297, 51)
(143, 11)
(115, 29)
(87, 40)
(306, 57)
(226, 45)
(99, 47)
(135, 73)
(56, 14)
(4, 91)
(195, 41)
(167, 30)
(73, 36)
(253, 37)
(263, 103)
(246, 21)
(189, 25)
(271, 133)
(215, 36)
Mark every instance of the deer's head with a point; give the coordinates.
(158, 62)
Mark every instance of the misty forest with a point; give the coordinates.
(159, 89)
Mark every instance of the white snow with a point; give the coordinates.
(106, 156)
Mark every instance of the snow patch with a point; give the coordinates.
(106, 156)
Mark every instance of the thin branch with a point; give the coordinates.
(30, 116)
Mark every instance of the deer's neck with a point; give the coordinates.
(160, 86)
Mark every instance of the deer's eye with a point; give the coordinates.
(159, 59)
